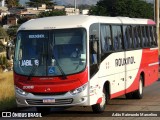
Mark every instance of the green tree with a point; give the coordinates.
(12, 3)
(130, 8)
(12, 30)
(52, 13)
(22, 20)
(3, 33)
(37, 3)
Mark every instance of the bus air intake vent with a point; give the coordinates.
(49, 94)
(57, 102)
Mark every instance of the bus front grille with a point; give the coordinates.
(49, 94)
(57, 102)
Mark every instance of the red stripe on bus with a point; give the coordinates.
(53, 84)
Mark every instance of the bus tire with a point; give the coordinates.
(100, 107)
(43, 110)
(138, 94)
(129, 95)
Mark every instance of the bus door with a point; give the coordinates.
(132, 57)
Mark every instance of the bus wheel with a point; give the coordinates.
(138, 94)
(129, 95)
(100, 107)
(43, 110)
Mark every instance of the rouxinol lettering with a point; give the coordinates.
(124, 61)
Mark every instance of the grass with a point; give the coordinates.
(7, 95)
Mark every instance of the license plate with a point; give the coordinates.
(49, 100)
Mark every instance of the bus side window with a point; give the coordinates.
(117, 37)
(120, 37)
(151, 35)
(125, 36)
(143, 37)
(93, 49)
(130, 37)
(136, 37)
(106, 38)
(154, 41)
(139, 33)
(94, 43)
(147, 36)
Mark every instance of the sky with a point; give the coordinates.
(63, 2)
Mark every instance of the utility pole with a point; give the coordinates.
(75, 6)
(156, 3)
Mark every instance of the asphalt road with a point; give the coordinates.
(148, 107)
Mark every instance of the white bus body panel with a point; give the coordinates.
(120, 77)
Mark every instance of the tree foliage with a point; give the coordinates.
(130, 8)
(12, 30)
(38, 3)
(12, 3)
(52, 13)
(3, 33)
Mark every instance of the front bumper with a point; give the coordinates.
(66, 99)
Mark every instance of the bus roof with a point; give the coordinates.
(75, 21)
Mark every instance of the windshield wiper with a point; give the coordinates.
(32, 71)
(35, 66)
(59, 67)
(57, 63)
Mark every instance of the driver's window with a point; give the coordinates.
(94, 48)
(94, 37)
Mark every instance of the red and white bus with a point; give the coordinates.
(83, 60)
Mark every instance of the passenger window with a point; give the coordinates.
(129, 39)
(151, 35)
(154, 42)
(119, 30)
(106, 41)
(147, 36)
(125, 36)
(144, 37)
(139, 32)
(117, 37)
(136, 38)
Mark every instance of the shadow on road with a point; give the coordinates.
(71, 113)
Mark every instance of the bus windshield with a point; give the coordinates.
(50, 53)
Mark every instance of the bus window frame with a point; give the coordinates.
(136, 37)
(154, 36)
(112, 48)
(122, 44)
(94, 66)
(129, 47)
(132, 47)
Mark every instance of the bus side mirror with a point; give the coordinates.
(94, 49)
(9, 50)
(93, 44)
(8, 53)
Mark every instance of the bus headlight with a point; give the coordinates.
(78, 90)
(20, 91)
